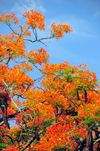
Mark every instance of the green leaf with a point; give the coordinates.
(36, 142)
(75, 116)
(89, 121)
(77, 77)
(63, 85)
(68, 76)
(96, 116)
(44, 132)
(80, 71)
(63, 79)
(15, 87)
(92, 124)
(72, 92)
(68, 71)
(1, 138)
(57, 76)
(27, 117)
(2, 145)
(82, 88)
(32, 114)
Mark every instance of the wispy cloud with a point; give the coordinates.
(25, 5)
(81, 27)
(97, 13)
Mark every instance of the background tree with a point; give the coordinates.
(63, 111)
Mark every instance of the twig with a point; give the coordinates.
(19, 62)
(39, 40)
(42, 71)
(13, 30)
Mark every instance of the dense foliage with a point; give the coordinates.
(60, 109)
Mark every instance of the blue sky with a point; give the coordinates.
(81, 46)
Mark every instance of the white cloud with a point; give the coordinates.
(25, 5)
(81, 27)
(97, 13)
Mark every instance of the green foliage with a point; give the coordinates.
(91, 121)
(2, 144)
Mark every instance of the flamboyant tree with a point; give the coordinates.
(62, 111)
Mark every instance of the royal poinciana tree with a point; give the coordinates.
(62, 112)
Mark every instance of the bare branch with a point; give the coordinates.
(13, 30)
(19, 62)
(39, 40)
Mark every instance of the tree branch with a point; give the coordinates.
(8, 137)
(13, 115)
(30, 141)
(39, 40)
(97, 140)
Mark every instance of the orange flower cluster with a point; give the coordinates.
(10, 47)
(38, 56)
(91, 109)
(25, 66)
(57, 136)
(6, 18)
(11, 148)
(35, 19)
(59, 30)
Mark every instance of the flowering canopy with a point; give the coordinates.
(62, 112)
